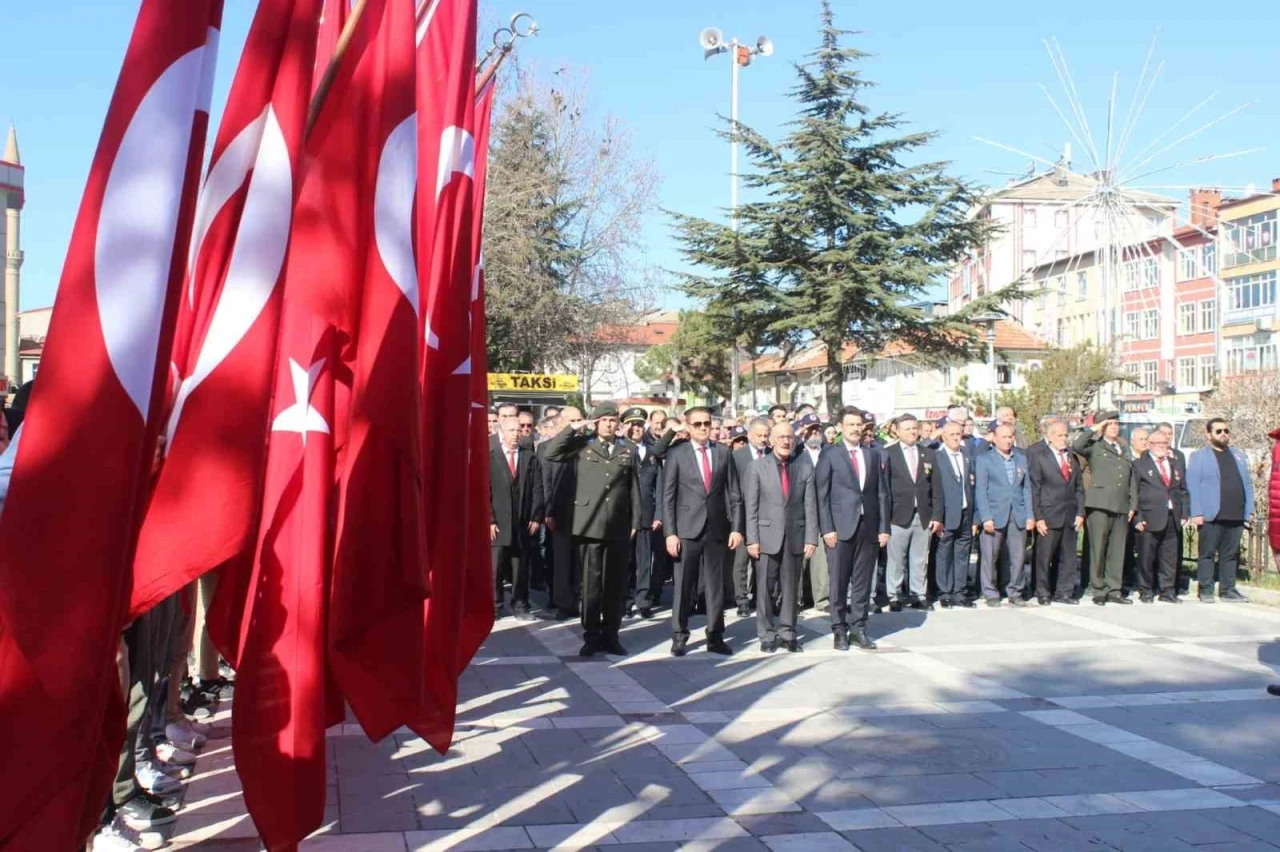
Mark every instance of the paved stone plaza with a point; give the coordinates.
(1048, 728)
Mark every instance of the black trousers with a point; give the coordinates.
(565, 570)
(1057, 549)
(1220, 550)
(777, 590)
(705, 557)
(852, 561)
(510, 560)
(604, 585)
(1158, 551)
(743, 566)
(952, 558)
(649, 555)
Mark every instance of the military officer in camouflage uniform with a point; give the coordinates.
(1107, 509)
(606, 509)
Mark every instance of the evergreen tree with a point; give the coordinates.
(845, 234)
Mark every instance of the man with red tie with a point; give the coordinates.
(516, 507)
(702, 514)
(1162, 505)
(853, 515)
(1057, 504)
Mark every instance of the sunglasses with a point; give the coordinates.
(699, 424)
(1222, 431)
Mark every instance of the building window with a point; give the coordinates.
(1186, 373)
(1028, 258)
(1062, 333)
(1150, 375)
(1208, 370)
(1186, 265)
(948, 377)
(1250, 240)
(1060, 284)
(1187, 317)
(1141, 274)
(1082, 285)
(1029, 217)
(1209, 315)
(1131, 325)
(1252, 291)
(1209, 258)
(1060, 220)
(1004, 374)
(1150, 324)
(855, 372)
(1248, 356)
(966, 279)
(1132, 369)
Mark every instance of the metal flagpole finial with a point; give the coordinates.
(504, 38)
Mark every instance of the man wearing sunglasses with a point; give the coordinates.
(702, 514)
(1221, 504)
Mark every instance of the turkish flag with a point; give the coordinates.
(446, 156)
(204, 511)
(87, 444)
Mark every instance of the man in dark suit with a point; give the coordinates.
(702, 515)
(606, 498)
(1057, 502)
(853, 514)
(743, 457)
(1106, 502)
(1162, 506)
(910, 514)
(648, 553)
(515, 512)
(782, 529)
(559, 486)
(808, 451)
(952, 508)
(1179, 460)
(1003, 492)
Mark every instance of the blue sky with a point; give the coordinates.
(948, 68)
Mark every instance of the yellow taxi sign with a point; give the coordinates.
(537, 382)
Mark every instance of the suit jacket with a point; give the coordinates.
(649, 471)
(770, 517)
(689, 511)
(999, 500)
(950, 494)
(606, 492)
(1055, 500)
(557, 488)
(1108, 473)
(841, 502)
(743, 459)
(514, 501)
(1150, 498)
(1204, 481)
(909, 496)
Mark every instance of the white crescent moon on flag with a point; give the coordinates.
(138, 220)
(393, 207)
(457, 156)
(261, 242)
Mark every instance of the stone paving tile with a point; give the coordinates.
(815, 841)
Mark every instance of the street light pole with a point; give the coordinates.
(712, 42)
(990, 321)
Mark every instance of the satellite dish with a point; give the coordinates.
(711, 39)
(764, 46)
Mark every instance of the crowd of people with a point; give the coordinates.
(786, 511)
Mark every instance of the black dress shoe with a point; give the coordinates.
(841, 640)
(922, 604)
(862, 640)
(1209, 598)
(1273, 689)
(768, 646)
(613, 646)
(1017, 601)
(993, 602)
(1122, 601)
(793, 646)
(895, 606)
(946, 603)
(1044, 600)
(1170, 599)
(1147, 597)
(719, 646)
(678, 648)
(588, 649)
(1232, 596)
(744, 611)
(563, 614)
(1100, 601)
(646, 612)
(966, 603)
(1067, 601)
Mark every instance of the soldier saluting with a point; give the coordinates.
(606, 506)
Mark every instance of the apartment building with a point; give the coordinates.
(1248, 268)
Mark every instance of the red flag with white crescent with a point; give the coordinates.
(205, 507)
(446, 156)
(87, 445)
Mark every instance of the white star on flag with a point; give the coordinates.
(302, 417)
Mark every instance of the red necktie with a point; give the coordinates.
(511, 462)
(1164, 474)
(1066, 466)
(706, 469)
(786, 481)
(853, 459)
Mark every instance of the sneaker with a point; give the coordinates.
(153, 780)
(184, 735)
(1232, 596)
(170, 753)
(141, 815)
(118, 837)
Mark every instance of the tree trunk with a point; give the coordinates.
(834, 381)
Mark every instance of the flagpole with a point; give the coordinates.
(330, 72)
(504, 40)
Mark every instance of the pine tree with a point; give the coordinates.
(845, 234)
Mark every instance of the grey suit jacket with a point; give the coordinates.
(770, 518)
